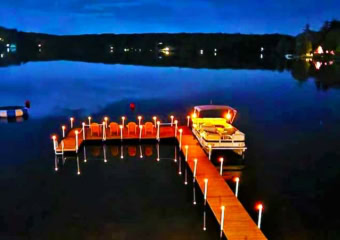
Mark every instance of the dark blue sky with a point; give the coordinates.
(138, 16)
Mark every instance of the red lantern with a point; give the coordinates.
(132, 106)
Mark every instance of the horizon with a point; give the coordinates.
(77, 17)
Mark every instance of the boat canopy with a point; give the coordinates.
(215, 111)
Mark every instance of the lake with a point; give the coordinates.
(292, 126)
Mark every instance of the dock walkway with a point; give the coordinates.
(238, 225)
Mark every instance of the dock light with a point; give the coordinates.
(194, 195)
(158, 130)
(176, 126)
(195, 169)
(76, 133)
(83, 125)
(123, 120)
(157, 147)
(194, 115)
(71, 121)
(221, 165)
(121, 132)
(186, 152)
(89, 118)
(188, 121)
(180, 137)
(185, 177)
(172, 120)
(205, 190)
(259, 207)
(204, 221)
(139, 120)
(54, 138)
(222, 219)
(237, 180)
(104, 132)
(63, 128)
(140, 131)
(209, 146)
(106, 119)
(154, 120)
(78, 167)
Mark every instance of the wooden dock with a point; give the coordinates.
(238, 225)
(166, 132)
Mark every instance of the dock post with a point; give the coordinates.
(222, 220)
(85, 159)
(121, 132)
(195, 169)
(139, 120)
(259, 207)
(180, 138)
(157, 146)
(63, 129)
(71, 122)
(55, 163)
(204, 221)
(123, 120)
(205, 190)
(210, 152)
(155, 120)
(186, 152)
(140, 131)
(158, 130)
(221, 166)
(237, 180)
(194, 194)
(176, 127)
(76, 132)
(84, 134)
(54, 138)
(186, 176)
(89, 118)
(172, 120)
(188, 121)
(104, 132)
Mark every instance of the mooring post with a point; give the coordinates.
(158, 130)
(176, 126)
(84, 134)
(221, 165)
(222, 219)
(186, 152)
(259, 207)
(76, 133)
(63, 129)
(54, 139)
(205, 190)
(104, 132)
(140, 131)
(180, 138)
(71, 122)
(155, 120)
(139, 120)
(237, 180)
(123, 120)
(195, 169)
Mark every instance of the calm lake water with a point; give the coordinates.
(292, 163)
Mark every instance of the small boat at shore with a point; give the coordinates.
(212, 126)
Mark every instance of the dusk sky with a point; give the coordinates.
(139, 16)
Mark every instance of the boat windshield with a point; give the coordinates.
(214, 113)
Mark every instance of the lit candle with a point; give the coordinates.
(237, 180)
(123, 120)
(89, 118)
(71, 120)
(259, 207)
(155, 120)
(139, 120)
(63, 128)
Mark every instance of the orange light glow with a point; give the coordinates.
(205, 179)
(54, 137)
(188, 117)
(76, 132)
(186, 146)
(89, 118)
(228, 116)
(194, 115)
(120, 126)
(259, 206)
(123, 117)
(158, 122)
(72, 119)
(180, 130)
(236, 179)
(63, 127)
(154, 117)
(141, 126)
(106, 119)
(176, 121)
(139, 117)
(221, 159)
(171, 116)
